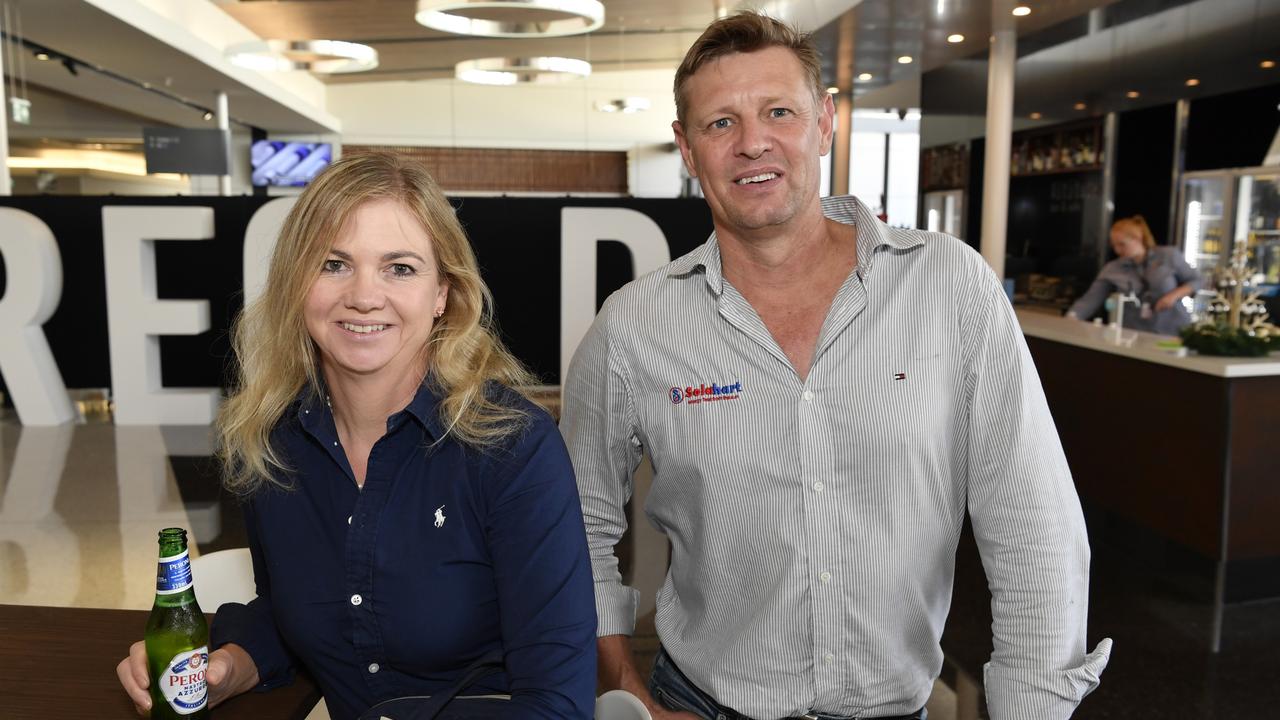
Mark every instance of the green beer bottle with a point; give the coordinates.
(177, 637)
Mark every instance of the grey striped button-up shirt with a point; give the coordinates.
(814, 523)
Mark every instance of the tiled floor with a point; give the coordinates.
(80, 507)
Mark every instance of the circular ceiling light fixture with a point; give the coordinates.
(905, 59)
(954, 38)
(511, 18)
(1021, 11)
(514, 71)
(320, 56)
(864, 76)
(623, 105)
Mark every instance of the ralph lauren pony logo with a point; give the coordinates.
(695, 394)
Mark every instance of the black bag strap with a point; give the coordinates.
(486, 664)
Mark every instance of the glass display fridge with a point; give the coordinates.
(1219, 209)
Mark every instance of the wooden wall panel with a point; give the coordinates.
(501, 170)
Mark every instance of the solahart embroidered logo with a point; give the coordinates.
(694, 394)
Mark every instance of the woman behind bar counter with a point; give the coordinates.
(1157, 275)
(407, 511)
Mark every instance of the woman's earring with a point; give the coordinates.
(439, 312)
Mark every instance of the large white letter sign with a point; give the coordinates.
(136, 318)
(260, 241)
(33, 285)
(580, 229)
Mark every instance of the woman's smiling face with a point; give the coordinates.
(372, 308)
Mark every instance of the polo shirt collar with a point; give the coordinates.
(316, 416)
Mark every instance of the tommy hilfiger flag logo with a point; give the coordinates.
(899, 376)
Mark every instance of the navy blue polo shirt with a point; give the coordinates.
(447, 552)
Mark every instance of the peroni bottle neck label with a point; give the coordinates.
(173, 574)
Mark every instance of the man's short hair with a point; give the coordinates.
(745, 32)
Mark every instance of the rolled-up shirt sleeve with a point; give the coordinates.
(598, 421)
(252, 626)
(1093, 298)
(1027, 521)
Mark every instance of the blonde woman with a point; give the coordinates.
(407, 511)
(1157, 275)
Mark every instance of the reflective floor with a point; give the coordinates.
(80, 507)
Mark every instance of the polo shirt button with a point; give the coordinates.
(356, 599)
(374, 667)
(819, 486)
(828, 658)
(348, 519)
(825, 577)
(808, 396)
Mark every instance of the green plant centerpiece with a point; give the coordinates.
(1235, 320)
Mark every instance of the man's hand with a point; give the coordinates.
(618, 671)
(231, 671)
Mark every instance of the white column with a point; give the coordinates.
(6, 185)
(995, 174)
(224, 124)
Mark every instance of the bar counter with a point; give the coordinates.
(1140, 346)
(1178, 445)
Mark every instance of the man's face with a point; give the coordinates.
(753, 134)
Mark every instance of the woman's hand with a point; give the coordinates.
(1168, 300)
(231, 671)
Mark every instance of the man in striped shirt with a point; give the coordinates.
(823, 398)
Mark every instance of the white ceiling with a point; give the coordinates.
(156, 55)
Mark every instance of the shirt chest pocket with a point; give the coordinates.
(909, 401)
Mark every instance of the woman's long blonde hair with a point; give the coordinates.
(277, 358)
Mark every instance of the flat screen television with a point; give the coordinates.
(288, 164)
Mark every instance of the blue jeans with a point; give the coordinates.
(670, 687)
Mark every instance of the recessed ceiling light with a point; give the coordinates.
(1132, 94)
(1080, 106)
(623, 105)
(864, 76)
(1021, 11)
(1192, 82)
(904, 60)
(833, 90)
(955, 38)
(42, 56)
(1036, 116)
(1267, 64)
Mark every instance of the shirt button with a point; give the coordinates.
(374, 667)
(808, 396)
(819, 486)
(356, 599)
(335, 443)
(348, 519)
(828, 658)
(825, 577)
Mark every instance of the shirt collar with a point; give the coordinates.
(873, 236)
(316, 416)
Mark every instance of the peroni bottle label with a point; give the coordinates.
(182, 683)
(173, 574)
